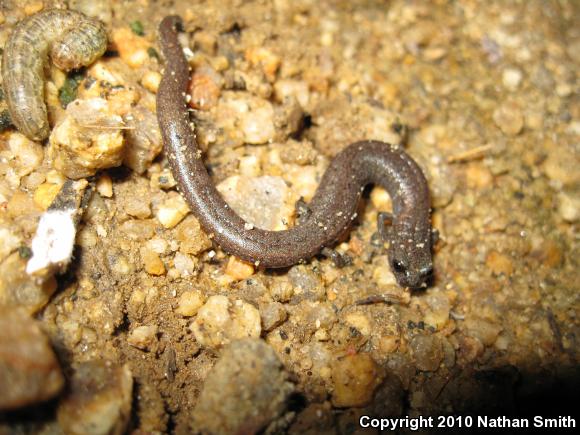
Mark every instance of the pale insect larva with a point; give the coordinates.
(73, 40)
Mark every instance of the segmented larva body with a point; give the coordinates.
(72, 39)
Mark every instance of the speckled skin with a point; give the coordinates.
(73, 40)
(333, 207)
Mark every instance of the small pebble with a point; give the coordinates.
(482, 329)
(355, 379)
(292, 88)
(561, 166)
(45, 194)
(250, 119)
(551, 254)
(136, 205)
(189, 303)
(151, 80)
(88, 138)
(151, 262)
(204, 90)
(499, 263)
(282, 290)
(249, 166)
(434, 53)
(143, 337)
(28, 154)
(239, 269)
(132, 48)
(138, 229)
(273, 315)
(98, 400)
(9, 241)
(172, 211)
(478, 176)
(220, 321)
(388, 344)
(105, 186)
(427, 351)
(382, 274)
(100, 10)
(564, 90)
(263, 57)
(534, 120)
(142, 137)
(29, 370)
(437, 314)
(261, 201)
(191, 237)
(360, 322)
(509, 118)
(246, 390)
(569, 206)
(206, 41)
(163, 180)
(381, 199)
(258, 125)
(511, 78)
(31, 8)
(183, 264)
(17, 289)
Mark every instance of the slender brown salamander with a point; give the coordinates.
(333, 207)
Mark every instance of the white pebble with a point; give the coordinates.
(511, 78)
(143, 337)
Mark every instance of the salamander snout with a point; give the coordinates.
(411, 263)
(408, 276)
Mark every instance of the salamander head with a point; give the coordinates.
(410, 256)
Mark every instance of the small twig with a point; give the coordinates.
(456, 316)
(472, 154)
(555, 329)
(388, 298)
(107, 127)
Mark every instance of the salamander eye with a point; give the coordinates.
(398, 266)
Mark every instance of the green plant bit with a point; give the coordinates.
(137, 28)
(153, 53)
(5, 120)
(68, 91)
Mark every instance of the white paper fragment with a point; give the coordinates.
(53, 242)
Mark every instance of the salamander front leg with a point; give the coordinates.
(302, 211)
(384, 222)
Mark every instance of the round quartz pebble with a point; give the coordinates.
(259, 200)
(355, 379)
(29, 370)
(89, 138)
(509, 118)
(98, 401)
(273, 314)
(511, 78)
(427, 351)
(220, 321)
(143, 337)
(246, 390)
